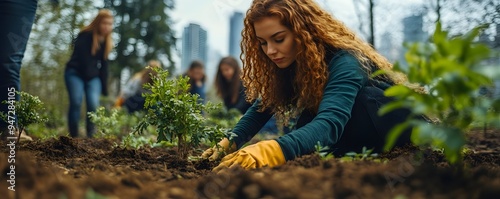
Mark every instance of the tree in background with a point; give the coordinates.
(460, 15)
(143, 32)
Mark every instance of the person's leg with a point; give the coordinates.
(92, 93)
(16, 21)
(366, 128)
(75, 87)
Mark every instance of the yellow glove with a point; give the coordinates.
(264, 153)
(216, 152)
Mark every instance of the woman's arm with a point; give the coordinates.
(346, 78)
(103, 75)
(250, 124)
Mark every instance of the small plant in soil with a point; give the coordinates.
(366, 154)
(114, 123)
(448, 71)
(177, 114)
(29, 110)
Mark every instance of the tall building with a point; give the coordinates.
(235, 28)
(413, 29)
(387, 47)
(412, 32)
(194, 45)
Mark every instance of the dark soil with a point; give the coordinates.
(89, 168)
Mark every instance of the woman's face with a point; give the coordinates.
(227, 71)
(106, 26)
(196, 74)
(276, 40)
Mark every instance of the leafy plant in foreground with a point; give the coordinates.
(177, 114)
(447, 69)
(28, 110)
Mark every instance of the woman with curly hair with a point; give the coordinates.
(301, 63)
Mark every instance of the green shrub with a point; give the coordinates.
(115, 123)
(447, 69)
(177, 114)
(29, 110)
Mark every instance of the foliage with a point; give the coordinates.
(177, 114)
(224, 118)
(115, 123)
(447, 70)
(135, 141)
(28, 110)
(366, 154)
(144, 31)
(323, 152)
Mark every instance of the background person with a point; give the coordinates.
(197, 79)
(131, 95)
(87, 70)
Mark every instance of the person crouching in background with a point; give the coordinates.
(131, 96)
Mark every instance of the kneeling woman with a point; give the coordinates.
(301, 63)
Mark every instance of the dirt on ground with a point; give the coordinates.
(95, 168)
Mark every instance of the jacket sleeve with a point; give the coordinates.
(103, 75)
(250, 124)
(81, 47)
(346, 78)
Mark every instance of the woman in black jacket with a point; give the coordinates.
(229, 85)
(87, 70)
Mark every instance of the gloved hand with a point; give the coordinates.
(264, 153)
(217, 152)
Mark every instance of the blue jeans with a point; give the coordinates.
(16, 20)
(76, 88)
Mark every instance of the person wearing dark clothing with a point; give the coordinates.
(302, 63)
(131, 96)
(197, 78)
(87, 70)
(229, 85)
(16, 21)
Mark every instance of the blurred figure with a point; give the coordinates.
(197, 78)
(230, 88)
(229, 85)
(131, 96)
(16, 20)
(87, 70)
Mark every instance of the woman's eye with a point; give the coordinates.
(279, 40)
(263, 43)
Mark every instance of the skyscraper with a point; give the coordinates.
(235, 28)
(413, 29)
(412, 32)
(194, 45)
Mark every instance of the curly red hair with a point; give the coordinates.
(315, 32)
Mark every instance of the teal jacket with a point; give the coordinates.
(346, 78)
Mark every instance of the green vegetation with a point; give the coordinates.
(177, 114)
(448, 70)
(114, 123)
(28, 110)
